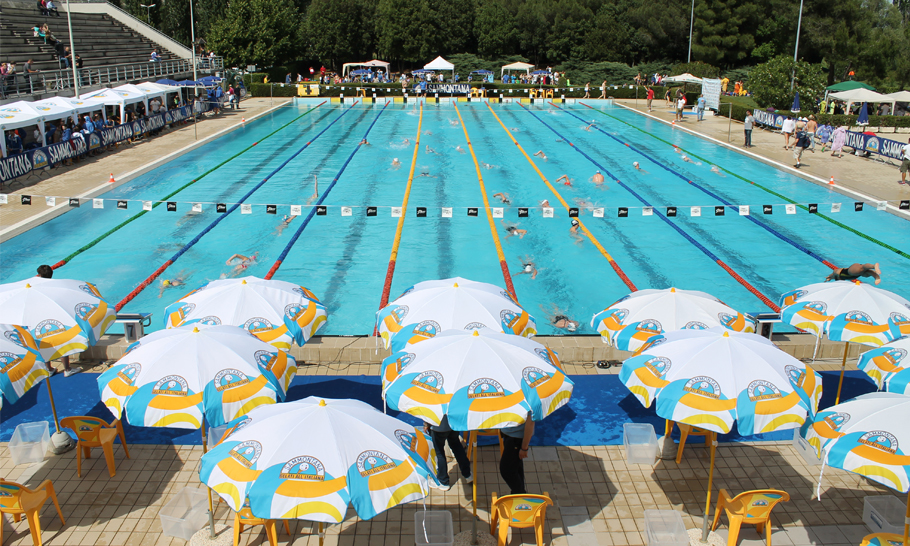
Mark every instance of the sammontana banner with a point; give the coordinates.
(48, 156)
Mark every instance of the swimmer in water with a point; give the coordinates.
(856, 271)
(636, 165)
(504, 197)
(583, 204)
(428, 175)
(716, 170)
(527, 267)
(240, 263)
(315, 192)
(487, 165)
(284, 223)
(573, 231)
(598, 179)
(512, 230)
(588, 127)
(430, 150)
(541, 155)
(396, 164)
(545, 203)
(178, 280)
(558, 318)
(406, 141)
(676, 149)
(460, 149)
(686, 158)
(363, 142)
(515, 129)
(566, 178)
(428, 132)
(453, 122)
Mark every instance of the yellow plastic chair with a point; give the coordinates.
(520, 512)
(492, 432)
(533, 93)
(549, 93)
(751, 508)
(882, 539)
(684, 432)
(16, 499)
(362, 92)
(94, 432)
(245, 518)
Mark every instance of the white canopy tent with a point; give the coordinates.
(438, 64)
(369, 64)
(516, 66)
(900, 96)
(117, 97)
(683, 78)
(79, 106)
(862, 95)
(17, 115)
(165, 90)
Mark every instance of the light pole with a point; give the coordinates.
(196, 136)
(691, 23)
(148, 12)
(69, 26)
(799, 24)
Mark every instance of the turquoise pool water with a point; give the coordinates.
(344, 259)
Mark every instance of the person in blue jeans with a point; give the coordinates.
(516, 442)
(442, 434)
(700, 107)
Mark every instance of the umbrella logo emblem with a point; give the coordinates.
(506, 294)
(303, 468)
(762, 390)
(129, 372)
(408, 440)
(83, 310)
(475, 326)
(247, 453)
(534, 376)
(427, 329)
(704, 386)
(48, 327)
(171, 385)
(373, 462)
(399, 313)
(430, 380)
(257, 325)
(790, 297)
(858, 317)
(880, 439)
(13, 335)
(243, 423)
(294, 310)
(891, 356)
(228, 379)
(837, 420)
(305, 292)
(901, 321)
(210, 320)
(796, 375)
(8, 361)
(546, 355)
(649, 325)
(510, 319)
(265, 359)
(182, 312)
(658, 365)
(695, 325)
(760, 502)
(39, 159)
(728, 320)
(485, 388)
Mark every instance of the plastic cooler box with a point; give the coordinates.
(884, 514)
(665, 528)
(185, 514)
(438, 530)
(29, 443)
(803, 447)
(640, 442)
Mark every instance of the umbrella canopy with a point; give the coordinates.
(634, 319)
(277, 312)
(21, 366)
(427, 308)
(64, 316)
(711, 378)
(863, 118)
(167, 81)
(849, 86)
(311, 458)
(795, 106)
(173, 378)
(847, 311)
(888, 365)
(481, 380)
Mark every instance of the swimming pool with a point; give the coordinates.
(344, 259)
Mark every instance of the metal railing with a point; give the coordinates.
(54, 81)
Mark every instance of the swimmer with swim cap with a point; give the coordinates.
(396, 163)
(243, 262)
(430, 150)
(686, 158)
(504, 197)
(460, 149)
(598, 179)
(284, 223)
(178, 280)
(856, 271)
(487, 165)
(559, 319)
(545, 203)
(573, 231)
(363, 141)
(566, 178)
(527, 267)
(541, 155)
(512, 230)
(636, 165)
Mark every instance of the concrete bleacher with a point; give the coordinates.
(98, 39)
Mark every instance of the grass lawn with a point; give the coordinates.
(745, 102)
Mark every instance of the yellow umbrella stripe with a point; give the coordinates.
(876, 455)
(390, 478)
(506, 417)
(777, 405)
(649, 379)
(165, 402)
(779, 421)
(424, 413)
(34, 377)
(230, 490)
(704, 419)
(885, 474)
(120, 387)
(702, 403)
(68, 349)
(874, 341)
(310, 490)
(271, 335)
(402, 493)
(255, 403)
(644, 393)
(114, 403)
(551, 386)
(236, 471)
(557, 402)
(483, 405)
(172, 418)
(243, 392)
(313, 507)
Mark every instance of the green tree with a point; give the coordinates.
(533, 22)
(566, 37)
(260, 32)
(340, 30)
(698, 68)
(724, 31)
(770, 82)
(453, 22)
(494, 27)
(609, 36)
(403, 30)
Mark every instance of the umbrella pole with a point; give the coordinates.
(50, 394)
(473, 439)
(818, 341)
(712, 437)
(321, 537)
(843, 366)
(208, 489)
(907, 522)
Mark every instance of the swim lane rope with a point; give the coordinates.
(129, 297)
(679, 230)
(486, 204)
(754, 220)
(111, 231)
(622, 274)
(306, 221)
(393, 258)
(769, 190)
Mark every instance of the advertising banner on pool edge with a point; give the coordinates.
(82, 143)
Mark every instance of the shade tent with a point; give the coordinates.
(439, 64)
(516, 66)
(683, 78)
(116, 97)
(374, 63)
(862, 95)
(81, 106)
(16, 115)
(848, 86)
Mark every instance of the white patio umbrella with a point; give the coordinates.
(309, 459)
(635, 318)
(21, 366)
(277, 312)
(888, 365)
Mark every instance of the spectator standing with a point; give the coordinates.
(443, 434)
(680, 104)
(287, 79)
(811, 128)
(650, 97)
(905, 161)
(588, 90)
(747, 129)
(515, 442)
(839, 138)
(700, 107)
(603, 90)
(787, 129)
(30, 69)
(802, 142)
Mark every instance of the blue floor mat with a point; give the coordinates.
(599, 406)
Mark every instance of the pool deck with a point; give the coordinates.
(90, 177)
(858, 178)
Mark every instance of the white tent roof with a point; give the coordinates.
(80, 106)
(158, 87)
(439, 64)
(683, 78)
(18, 114)
(900, 96)
(516, 66)
(142, 89)
(113, 97)
(374, 62)
(861, 95)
